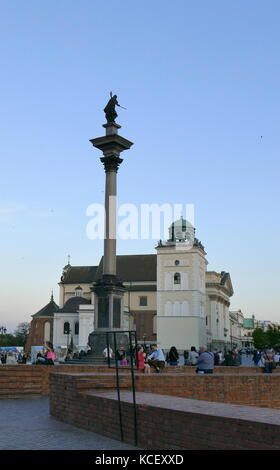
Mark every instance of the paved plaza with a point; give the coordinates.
(27, 425)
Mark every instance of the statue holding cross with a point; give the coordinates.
(110, 108)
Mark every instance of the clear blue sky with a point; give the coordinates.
(200, 81)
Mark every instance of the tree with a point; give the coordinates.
(21, 333)
(273, 336)
(8, 340)
(259, 338)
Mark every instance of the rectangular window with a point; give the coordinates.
(143, 301)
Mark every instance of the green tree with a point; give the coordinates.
(8, 340)
(21, 333)
(273, 336)
(259, 338)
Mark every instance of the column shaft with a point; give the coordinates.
(109, 261)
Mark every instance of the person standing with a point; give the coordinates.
(221, 357)
(268, 360)
(236, 357)
(216, 357)
(229, 358)
(205, 361)
(256, 357)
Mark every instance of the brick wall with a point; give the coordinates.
(163, 422)
(262, 390)
(36, 332)
(22, 380)
(254, 390)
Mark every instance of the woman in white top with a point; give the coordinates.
(193, 356)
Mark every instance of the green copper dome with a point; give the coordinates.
(181, 230)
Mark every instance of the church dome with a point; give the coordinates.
(181, 230)
(184, 223)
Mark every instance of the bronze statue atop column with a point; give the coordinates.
(110, 108)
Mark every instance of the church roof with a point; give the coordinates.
(72, 304)
(133, 268)
(48, 310)
(129, 268)
(79, 275)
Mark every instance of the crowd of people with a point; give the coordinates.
(13, 357)
(267, 358)
(150, 357)
(205, 360)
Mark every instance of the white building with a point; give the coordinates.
(236, 319)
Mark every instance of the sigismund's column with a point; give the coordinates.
(108, 289)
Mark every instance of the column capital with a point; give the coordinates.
(111, 163)
(112, 144)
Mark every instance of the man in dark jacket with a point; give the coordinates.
(216, 357)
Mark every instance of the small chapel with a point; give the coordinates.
(170, 298)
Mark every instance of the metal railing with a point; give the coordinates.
(132, 338)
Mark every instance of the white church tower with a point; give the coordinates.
(181, 294)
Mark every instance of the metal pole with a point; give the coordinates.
(108, 349)
(118, 385)
(136, 348)
(133, 388)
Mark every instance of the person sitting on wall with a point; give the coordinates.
(156, 359)
(49, 356)
(205, 361)
(173, 356)
(120, 355)
(141, 361)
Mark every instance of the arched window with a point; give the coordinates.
(66, 328)
(78, 291)
(47, 331)
(76, 328)
(177, 278)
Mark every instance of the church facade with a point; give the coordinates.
(170, 298)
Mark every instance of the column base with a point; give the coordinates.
(98, 342)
